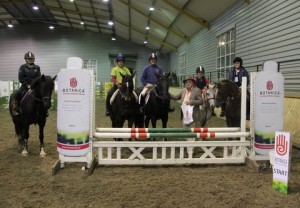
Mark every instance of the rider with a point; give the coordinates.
(202, 82)
(27, 73)
(236, 74)
(148, 78)
(116, 78)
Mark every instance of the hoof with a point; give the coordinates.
(24, 153)
(42, 153)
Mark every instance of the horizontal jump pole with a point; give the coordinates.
(167, 130)
(172, 135)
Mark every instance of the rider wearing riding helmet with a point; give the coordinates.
(236, 74)
(148, 78)
(202, 82)
(27, 72)
(116, 78)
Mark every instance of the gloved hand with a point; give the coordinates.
(119, 86)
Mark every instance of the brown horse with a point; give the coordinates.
(229, 93)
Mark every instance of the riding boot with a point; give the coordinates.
(213, 112)
(107, 109)
(15, 108)
(142, 104)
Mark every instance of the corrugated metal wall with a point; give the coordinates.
(264, 30)
(52, 48)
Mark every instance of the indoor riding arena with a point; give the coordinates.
(58, 64)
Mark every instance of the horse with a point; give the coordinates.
(158, 103)
(33, 107)
(124, 104)
(206, 109)
(228, 92)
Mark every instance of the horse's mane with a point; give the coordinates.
(229, 82)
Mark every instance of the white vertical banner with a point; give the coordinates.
(73, 112)
(269, 107)
(282, 161)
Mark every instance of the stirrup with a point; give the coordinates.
(142, 110)
(15, 113)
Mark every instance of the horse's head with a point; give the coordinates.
(43, 87)
(127, 86)
(225, 89)
(162, 87)
(210, 94)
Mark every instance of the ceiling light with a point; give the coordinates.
(113, 38)
(10, 25)
(71, 0)
(105, 1)
(147, 28)
(51, 27)
(82, 23)
(35, 7)
(145, 41)
(110, 22)
(151, 8)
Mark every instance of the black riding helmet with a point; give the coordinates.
(200, 69)
(238, 59)
(152, 56)
(29, 55)
(120, 57)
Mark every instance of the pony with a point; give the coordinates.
(228, 92)
(124, 104)
(206, 109)
(33, 108)
(158, 103)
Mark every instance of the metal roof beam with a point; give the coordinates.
(156, 21)
(156, 39)
(182, 11)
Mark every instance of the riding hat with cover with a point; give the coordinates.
(200, 69)
(120, 57)
(238, 59)
(152, 56)
(29, 55)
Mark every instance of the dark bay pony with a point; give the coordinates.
(229, 93)
(33, 110)
(125, 104)
(158, 104)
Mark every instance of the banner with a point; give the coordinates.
(73, 111)
(269, 107)
(282, 161)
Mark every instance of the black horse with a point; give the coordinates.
(229, 93)
(33, 110)
(125, 104)
(158, 104)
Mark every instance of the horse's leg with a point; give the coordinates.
(147, 120)
(24, 138)
(164, 124)
(153, 122)
(41, 137)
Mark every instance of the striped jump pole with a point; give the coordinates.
(166, 130)
(172, 135)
